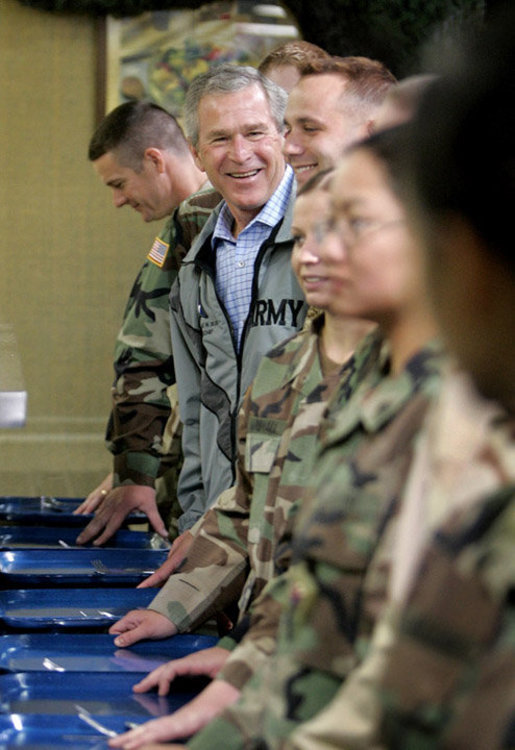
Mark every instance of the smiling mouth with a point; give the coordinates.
(304, 168)
(243, 175)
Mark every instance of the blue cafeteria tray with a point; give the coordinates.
(59, 537)
(87, 652)
(41, 732)
(71, 567)
(49, 511)
(103, 695)
(61, 608)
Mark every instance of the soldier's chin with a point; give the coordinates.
(145, 215)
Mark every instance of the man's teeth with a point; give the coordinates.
(240, 175)
(305, 168)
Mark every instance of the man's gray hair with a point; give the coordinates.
(226, 79)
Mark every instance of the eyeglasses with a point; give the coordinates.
(351, 231)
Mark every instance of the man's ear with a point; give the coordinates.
(196, 157)
(155, 156)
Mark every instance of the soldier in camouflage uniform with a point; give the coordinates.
(144, 431)
(447, 667)
(139, 151)
(457, 633)
(464, 451)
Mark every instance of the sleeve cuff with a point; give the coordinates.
(135, 468)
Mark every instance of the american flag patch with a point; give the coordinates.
(158, 252)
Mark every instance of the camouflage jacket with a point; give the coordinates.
(465, 452)
(143, 361)
(336, 584)
(450, 679)
(255, 638)
(234, 549)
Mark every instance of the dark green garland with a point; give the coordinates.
(388, 30)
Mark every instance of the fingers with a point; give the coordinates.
(89, 505)
(90, 531)
(127, 622)
(129, 637)
(152, 731)
(157, 522)
(107, 520)
(159, 576)
(117, 505)
(113, 524)
(182, 723)
(163, 676)
(95, 497)
(176, 555)
(104, 521)
(140, 624)
(206, 662)
(181, 547)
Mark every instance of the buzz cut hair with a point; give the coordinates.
(131, 128)
(366, 81)
(299, 53)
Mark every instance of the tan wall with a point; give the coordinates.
(68, 258)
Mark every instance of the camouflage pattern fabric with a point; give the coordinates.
(337, 583)
(465, 452)
(450, 680)
(293, 473)
(235, 547)
(143, 360)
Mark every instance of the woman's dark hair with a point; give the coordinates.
(463, 144)
(391, 147)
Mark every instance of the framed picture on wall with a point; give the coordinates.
(157, 54)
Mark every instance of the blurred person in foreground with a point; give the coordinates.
(441, 669)
(463, 695)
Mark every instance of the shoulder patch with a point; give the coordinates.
(158, 252)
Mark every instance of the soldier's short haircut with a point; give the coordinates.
(227, 79)
(299, 53)
(366, 81)
(131, 128)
